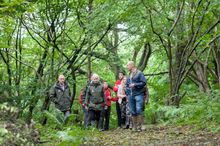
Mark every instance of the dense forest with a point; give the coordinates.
(175, 43)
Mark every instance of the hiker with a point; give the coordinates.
(60, 95)
(136, 83)
(95, 102)
(123, 102)
(107, 111)
(82, 101)
(115, 89)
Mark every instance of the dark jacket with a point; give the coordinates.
(139, 81)
(95, 96)
(61, 98)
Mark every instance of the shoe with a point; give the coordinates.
(100, 130)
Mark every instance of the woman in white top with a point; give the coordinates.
(123, 101)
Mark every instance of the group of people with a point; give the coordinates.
(96, 99)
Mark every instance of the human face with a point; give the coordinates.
(105, 84)
(120, 75)
(129, 67)
(61, 79)
(124, 80)
(95, 79)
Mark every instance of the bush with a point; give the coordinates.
(204, 112)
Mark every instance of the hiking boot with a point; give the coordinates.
(143, 127)
(124, 126)
(134, 123)
(139, 123)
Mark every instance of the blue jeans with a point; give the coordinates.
(136, 104)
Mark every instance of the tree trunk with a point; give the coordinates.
(90, 5)
(145, 57)
(200, 76)
(216, 54)
(45, 107)
(73, 73)
(175, 67)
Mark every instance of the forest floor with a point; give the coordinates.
(159, 136)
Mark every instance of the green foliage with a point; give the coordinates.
(75, 136)
(54, 120)
(204, 112)
(71, 135)
(66, 29)
(14, 131)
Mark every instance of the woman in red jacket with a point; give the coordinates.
(118, 109)
(107, 111)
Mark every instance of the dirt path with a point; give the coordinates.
(159, 136)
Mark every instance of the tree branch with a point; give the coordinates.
(177, 19)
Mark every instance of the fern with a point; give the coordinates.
(57, 119)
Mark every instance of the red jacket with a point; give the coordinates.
(108, 97)
(115, 88)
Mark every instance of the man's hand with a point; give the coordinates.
(86, 107)
(106, 107)
(131, 85)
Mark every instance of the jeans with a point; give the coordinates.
(136, 104)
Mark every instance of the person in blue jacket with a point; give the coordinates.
(136, 87)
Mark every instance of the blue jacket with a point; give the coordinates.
(139, 81)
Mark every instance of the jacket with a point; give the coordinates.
(61, 98)
(107, 96)
(115, 88)
(95, 97)
(139, 81)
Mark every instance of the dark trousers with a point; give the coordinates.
(118, 110)
(107, 113)
(95, 118)
(123, 111)
(86, 117)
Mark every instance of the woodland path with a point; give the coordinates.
(159, 136)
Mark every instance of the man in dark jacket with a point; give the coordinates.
(61, 96)
(95, 102)
(136, 85)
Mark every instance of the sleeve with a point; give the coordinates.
(114, 99)
(115, 88)
(52, 94)
(103, 95)
(87, 95)
(142, 81)
(80, 98)
(108, 94)
(70, 94)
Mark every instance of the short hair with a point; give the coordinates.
(61, 75)
(95, 76)
(131, 62)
